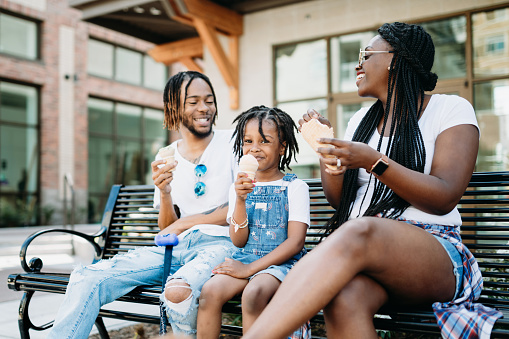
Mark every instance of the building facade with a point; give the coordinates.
(82, 104)
(80, 107)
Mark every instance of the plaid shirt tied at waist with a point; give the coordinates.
(462, 318)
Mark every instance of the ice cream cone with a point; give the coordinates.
(249, 165)
(168, 155)
(313, 130)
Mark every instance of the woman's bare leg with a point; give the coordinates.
(214, 294)
(256, 296)
(406, 260)
(350, 313)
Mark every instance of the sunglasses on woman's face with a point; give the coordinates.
(362, 54)
(200, 187)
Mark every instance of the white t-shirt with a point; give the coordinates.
(442, 112)
(298, 200)
(221, 166)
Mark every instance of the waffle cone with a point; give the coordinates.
(313, 130)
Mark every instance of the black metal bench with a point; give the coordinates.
(129, 221)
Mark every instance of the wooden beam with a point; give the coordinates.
(209, 37)
(177, 51)
(228, 65)
(209, 19)
(223, 19)
(234, 61)
(191, 65)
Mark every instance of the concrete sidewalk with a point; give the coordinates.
(56, 251)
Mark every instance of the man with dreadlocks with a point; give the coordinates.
(198, 186)
(394, 239)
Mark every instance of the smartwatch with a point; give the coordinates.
(380, 166)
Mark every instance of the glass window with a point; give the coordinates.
(344, 58)
(301, 71)
(19, 154)
(101, 164)
(121, 155)
(449, 37)
(344, 113)
(491, 102)
(128, 120)
(491, 43)
(100, 116)
(19, 164)
(154, 124)
(155, 74)
(155, 138)
(128, 66)
(19, 104)
(18, 37)
(101, 170)
(113, 62)
(100, 58)
(307, 155)
(129, 163)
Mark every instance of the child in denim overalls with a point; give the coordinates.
(268, 222)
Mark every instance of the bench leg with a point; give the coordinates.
(24, 322)
(99, 323)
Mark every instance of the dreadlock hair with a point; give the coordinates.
(409, 76)
(173, 107)
(285, 130)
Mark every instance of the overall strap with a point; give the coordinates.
(289, 177)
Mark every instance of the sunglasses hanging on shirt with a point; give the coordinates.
(200, 187)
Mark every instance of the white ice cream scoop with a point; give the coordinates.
(249, 165)
(167, 154)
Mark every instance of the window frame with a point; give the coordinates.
(463, 86)
(114, 64)
(38, 35)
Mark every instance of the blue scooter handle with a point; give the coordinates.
(170, 239)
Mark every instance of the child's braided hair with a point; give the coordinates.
(285, 129)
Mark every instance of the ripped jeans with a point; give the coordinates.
(90, 287)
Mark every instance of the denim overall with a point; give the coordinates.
(267, 213)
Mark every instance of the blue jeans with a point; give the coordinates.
(90, 287)
(457, 264)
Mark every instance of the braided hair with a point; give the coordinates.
(285, 130)
(173, 108)
(409, 76)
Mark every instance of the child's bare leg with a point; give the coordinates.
(350, 313)
(214, 294)
(256, 296)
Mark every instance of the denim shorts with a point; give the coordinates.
(457, 262)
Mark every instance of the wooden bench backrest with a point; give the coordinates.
(132, 222)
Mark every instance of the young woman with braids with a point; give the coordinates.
(268, 222)
(394, 239)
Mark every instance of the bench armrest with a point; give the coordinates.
(35, 264)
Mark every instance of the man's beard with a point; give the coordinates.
(189, 125)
